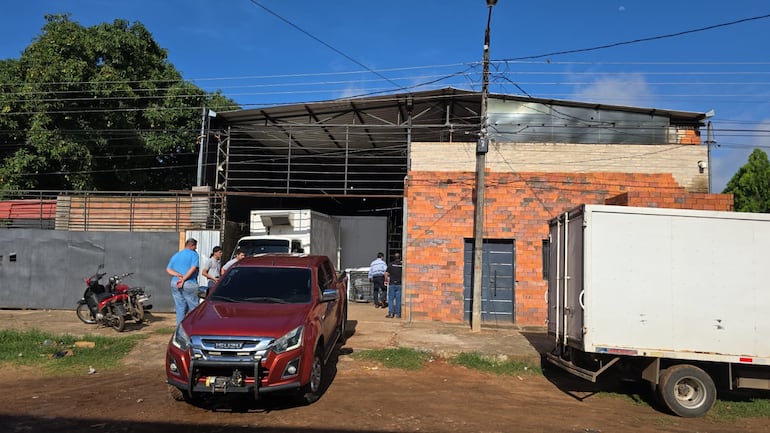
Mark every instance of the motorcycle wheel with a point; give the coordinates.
(84, 314)
(137, 311)
(116, 321)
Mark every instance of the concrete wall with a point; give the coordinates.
(680, 160)
(361, 239)
(47, 268)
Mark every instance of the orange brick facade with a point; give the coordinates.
(518, 206)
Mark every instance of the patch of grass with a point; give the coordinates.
(508, 367)
(730, 410)
(725, 410)
(166, 330)
(403, 358)
(60, 355)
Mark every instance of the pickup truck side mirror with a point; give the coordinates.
(329, 295)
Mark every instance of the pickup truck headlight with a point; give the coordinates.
(289, 341)
(181, 339)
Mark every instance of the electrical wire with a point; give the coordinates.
(465, 73)
(640, 40)
(256, 3)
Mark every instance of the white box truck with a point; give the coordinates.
(292, 231)
(679, 298)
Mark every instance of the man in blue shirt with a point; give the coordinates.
(377, 276)
(183, 268)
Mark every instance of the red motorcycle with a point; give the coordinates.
(112, 304)
(138, 300)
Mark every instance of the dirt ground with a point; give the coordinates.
(361, 397)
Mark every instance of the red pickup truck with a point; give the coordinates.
(268, 325)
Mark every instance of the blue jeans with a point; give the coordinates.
(185, 299)
(394, 300)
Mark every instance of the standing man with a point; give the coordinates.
(183, 268)
(237, 257)
(393, 277)
(377, 277)
(211, 266)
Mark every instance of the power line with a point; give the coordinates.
(464, 73)
(324, 43)
(636, 41)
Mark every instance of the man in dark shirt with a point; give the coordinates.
(393, 277)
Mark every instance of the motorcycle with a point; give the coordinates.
(110, 305)
(138, 300)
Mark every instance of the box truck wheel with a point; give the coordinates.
(686, 390)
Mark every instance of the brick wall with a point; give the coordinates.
(674, 200)
(517, 206)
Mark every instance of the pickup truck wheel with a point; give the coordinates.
(687, 390)
(176, 393)
(179, 395)
(343, 328)
(312, 391)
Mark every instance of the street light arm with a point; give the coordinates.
(486, 33)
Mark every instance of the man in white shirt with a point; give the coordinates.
(210, 268)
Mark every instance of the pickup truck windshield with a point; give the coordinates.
(259, 246)
(265, 285)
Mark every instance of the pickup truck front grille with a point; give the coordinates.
(230, 348)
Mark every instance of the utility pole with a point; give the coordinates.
(482, 147)
(201, 150)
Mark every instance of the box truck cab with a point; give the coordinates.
(292, 231)
(253, 245)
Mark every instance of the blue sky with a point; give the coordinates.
(266, 52)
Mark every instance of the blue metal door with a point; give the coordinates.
(497, 280)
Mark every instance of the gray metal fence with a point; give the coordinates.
(47, 268)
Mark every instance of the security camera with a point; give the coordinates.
(702, 165)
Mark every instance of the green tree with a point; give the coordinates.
(12, 125)
(98, 108)
(750, 186)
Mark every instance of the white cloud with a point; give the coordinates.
(621, 89)
(729, 153)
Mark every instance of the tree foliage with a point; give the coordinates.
(98, 108)
(750, 185)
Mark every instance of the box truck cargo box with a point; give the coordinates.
(675, 297)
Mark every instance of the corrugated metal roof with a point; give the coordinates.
(358, 147)
(389, 105)
(27, 209)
